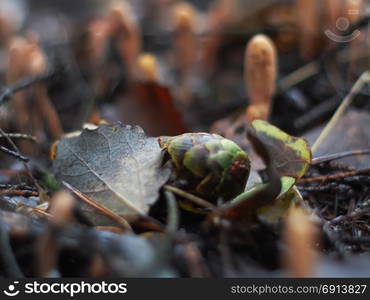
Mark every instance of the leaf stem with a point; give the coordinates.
(195, 199)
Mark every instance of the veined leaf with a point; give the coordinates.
(291, 155)
(118, 166)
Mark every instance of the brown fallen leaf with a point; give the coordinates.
(118, 166)
(351, 133)
(152, 106)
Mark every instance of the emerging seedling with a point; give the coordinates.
(218, 18)
(300, 238)
(260, 76)
(26, 59)
(309, 29)
(353, 10)
(148, 67)
(333, 11)
(126, 33)
(6, 30)
(185, 43)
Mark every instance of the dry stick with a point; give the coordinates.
(20, 136)
(197, 200)
(364, 78)
(118, 219)
(8, 92)
(23, 193)
(335, 176)
(335, 156)
(40, 211)
(357, 213)
(299, 75)
(24, 163)
(21, 186)
(13, 153)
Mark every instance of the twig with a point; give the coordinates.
(195, 199)
(364, 78)
(357, 213)
(23, 193)
(19, 136)
(14, 154)
(335, 176)
(298, 76)
(335, 156)
(17, 187)
(8, 92)
(102, 209)
(24, 162)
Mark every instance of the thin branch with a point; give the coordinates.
(20, 186)
(195, 199)
(23, 193)
(100, 208)
(335, 156)
(335, 176)
(24, 162)
(363, 210)
(8, 92)
(14, 154)
(19, 136)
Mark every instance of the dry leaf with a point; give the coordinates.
(116, 165)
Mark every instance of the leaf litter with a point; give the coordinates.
(116, 165)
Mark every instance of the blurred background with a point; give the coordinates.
(174, 66)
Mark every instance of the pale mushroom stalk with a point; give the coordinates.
(127, 34)
(185, 47)
(260, 74)
(308, 26)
